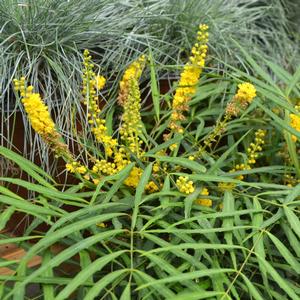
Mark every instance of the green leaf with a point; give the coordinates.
(184, 162)
(292, 219)
(126, 295)
(278, 279)
(189, 201)
(27, 166)
(87, 273)
(154, 88)
(5, 216)
(252, 289)
(186, 276)
(48, 289)
(286, 254)
(139, 193)
(199, 295)
(228, 206)
(295, 80)
(102, 283)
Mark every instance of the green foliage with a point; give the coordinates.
(124, 243)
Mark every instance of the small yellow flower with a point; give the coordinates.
(246, 92)
(75, 167)
(295, 123)
(99, 82)
(96, 181)
(173, 147)
(204, 202)
(151, 187)
(134, 177)
(185, 185)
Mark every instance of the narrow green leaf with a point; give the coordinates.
(5, 216)
(278, 279)
(154, 87)
(184, 162)
(87, 273)
(286, 254)
(102, 283)
(186, 276)
(139, 193)
(48, 289)
(29, 167)
(126, 295)
(252, 289)
(228, 206)
(199, 295)
(292, 219)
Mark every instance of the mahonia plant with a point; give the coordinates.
(116, 153)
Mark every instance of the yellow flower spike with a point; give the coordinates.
(253, 152)
(295, 123)
(92, 83)
(40, 118)
(185, 185)
(189, 79)
(130, 99)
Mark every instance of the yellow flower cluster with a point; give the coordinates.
(76, 167)
(256, 147)
(290, 180)
(134, 71)
(99, 82)
(130, 100)
(40, 118)
(245, 94)
(92, 83)
(104, 167)
(185, 185)
(295, 123)
(37, 111)
(151, 187)
(204, 202)
(252, 153)
(134, 177)
(189, 79)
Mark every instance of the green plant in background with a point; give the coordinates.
(172, 222)
(44, 41)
